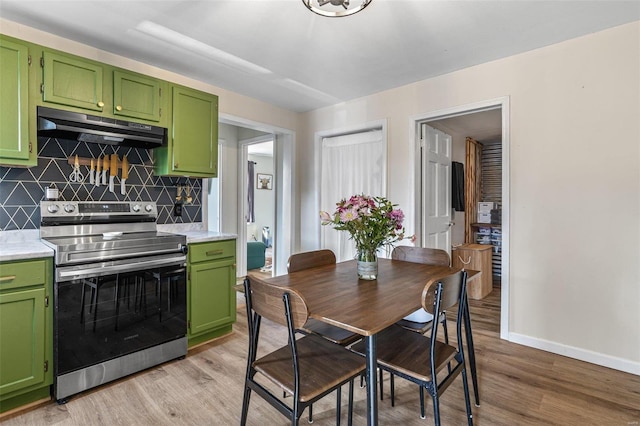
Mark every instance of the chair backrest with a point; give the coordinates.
(428, 256)
(310, 259)
(267, 301)
(451, 287)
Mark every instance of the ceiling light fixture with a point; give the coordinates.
(335, 8)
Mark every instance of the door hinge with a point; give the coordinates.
(29, 60)
(160, 112)
(189, 324)
(42, 88)
(46, 366)
(42, 62)
(188, 276)
(160, 90)
(46, 302)
(30, 147)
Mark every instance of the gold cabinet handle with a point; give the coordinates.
(7, 278)
(118, 108)
(100, 104)
(214, 252)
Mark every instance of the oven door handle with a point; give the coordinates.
(63, 274)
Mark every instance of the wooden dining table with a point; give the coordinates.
(335, 295)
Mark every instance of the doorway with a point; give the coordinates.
(260, 218)
(228, 192)
(467, 120)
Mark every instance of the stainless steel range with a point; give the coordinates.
(119, 290)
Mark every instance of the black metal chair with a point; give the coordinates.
(312, 259)
(308, 368)
(422, 359)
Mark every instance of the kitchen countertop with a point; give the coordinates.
(23, 245)
(206, 236)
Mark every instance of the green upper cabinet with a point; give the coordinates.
(82, 85)
(15, 146)
(72, 81)
(136, 96)
(193, 140)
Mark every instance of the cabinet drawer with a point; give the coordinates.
(22, 274)
(210, 251)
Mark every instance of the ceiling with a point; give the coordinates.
(283, 54)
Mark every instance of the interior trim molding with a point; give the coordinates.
(597, 358)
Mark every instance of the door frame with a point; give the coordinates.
(284, 188)
(490, 104)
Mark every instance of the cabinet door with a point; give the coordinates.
(14, 97)
(72, 81)
(136, 96)
(211, 295)
(22, 339)
(194, 132)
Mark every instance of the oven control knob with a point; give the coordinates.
(148, 208)
(69, 208)
(136, 208)
(53, 208)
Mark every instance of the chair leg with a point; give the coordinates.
(311, 413)
(245, 405)
(436, 409)
(350, 418)
(471, 351)
(381, 385)
(467, 398)
(422, 415)
(338, 405)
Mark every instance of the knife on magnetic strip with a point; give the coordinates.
(105, 168)
(97, 178)
(113, 170)
(125, 175)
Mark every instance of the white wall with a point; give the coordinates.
(228, 175)
(575, 184)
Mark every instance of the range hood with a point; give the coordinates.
(55, 123)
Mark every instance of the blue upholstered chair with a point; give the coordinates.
(255, 254)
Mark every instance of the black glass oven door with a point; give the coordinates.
(103, 317)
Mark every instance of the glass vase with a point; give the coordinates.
(367, 265)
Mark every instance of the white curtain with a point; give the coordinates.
(351, 164)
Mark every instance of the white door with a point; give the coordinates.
(436, 188)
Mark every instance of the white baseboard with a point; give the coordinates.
(608, 361)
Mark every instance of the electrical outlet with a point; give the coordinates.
(177, 209)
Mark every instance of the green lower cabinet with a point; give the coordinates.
(211, 296)
(26, 337)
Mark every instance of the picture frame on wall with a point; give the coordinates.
(264, 181)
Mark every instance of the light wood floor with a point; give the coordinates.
(518, 385)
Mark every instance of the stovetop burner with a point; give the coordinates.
(84, 232)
